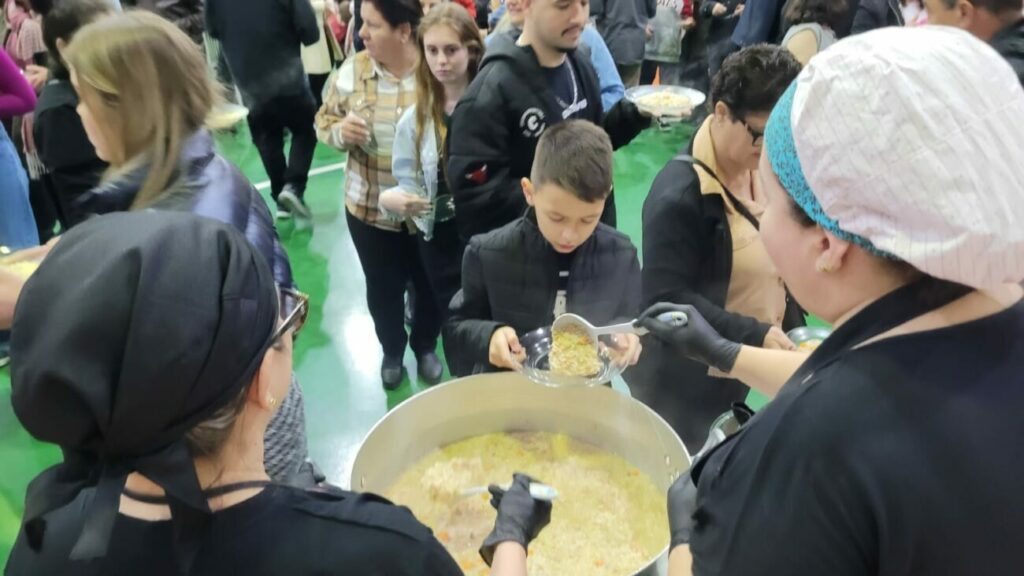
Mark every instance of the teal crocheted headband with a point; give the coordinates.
(782, 155)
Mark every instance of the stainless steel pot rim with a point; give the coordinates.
(452, 411)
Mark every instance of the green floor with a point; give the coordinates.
(337, 358)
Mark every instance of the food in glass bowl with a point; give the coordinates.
(573, 353)
(810, 345)
(808, 338)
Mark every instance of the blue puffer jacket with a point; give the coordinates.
(211, 187)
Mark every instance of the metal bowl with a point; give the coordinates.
(538, 347)
(508, 402)
(808, 333)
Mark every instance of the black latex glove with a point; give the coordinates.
(520, 516)
(682, 503)
(696, 340)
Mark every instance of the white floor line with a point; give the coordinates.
(340, 166)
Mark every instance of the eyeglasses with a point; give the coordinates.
(294, 309)
(755, 135)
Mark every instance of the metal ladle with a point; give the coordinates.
(568, 321)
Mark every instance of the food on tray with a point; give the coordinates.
(664, 100)
(573, 353)
(810, 345)
(23, 269)
(609, 517)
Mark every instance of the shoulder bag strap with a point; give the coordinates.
(740, 207)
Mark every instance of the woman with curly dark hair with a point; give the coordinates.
(811, 26)
(702, 244)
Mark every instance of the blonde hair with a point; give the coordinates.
(430, 97)
(147, 85)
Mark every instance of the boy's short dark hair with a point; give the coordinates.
(577, 156)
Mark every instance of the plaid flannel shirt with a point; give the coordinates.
(363, 87)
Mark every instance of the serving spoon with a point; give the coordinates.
(538, 491)
(566, 321)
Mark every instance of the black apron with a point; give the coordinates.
(888, 312)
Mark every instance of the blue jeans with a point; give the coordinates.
(17, 224)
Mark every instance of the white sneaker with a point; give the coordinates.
(283, 214)
(290, 201)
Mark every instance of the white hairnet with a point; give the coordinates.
(913, 139)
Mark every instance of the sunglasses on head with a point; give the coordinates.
(293, 307)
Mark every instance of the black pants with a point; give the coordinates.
(267, 122)
(316, 84)
(681, 391)
(43, 209)
(389, 260)
(442, 260)
(647, 72)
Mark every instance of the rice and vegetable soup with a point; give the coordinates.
(609, 517)
(573, 353)
(662, 99)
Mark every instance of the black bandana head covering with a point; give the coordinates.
(134, 329)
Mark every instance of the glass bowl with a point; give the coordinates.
(537, 345)
(808, 338)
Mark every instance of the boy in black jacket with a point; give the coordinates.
(557, 258)
(527, 83)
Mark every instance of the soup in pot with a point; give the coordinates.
(609, 517)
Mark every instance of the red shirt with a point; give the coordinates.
(470, 7)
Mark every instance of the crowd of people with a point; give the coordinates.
(871, 178)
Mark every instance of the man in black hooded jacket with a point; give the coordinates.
(523, 87)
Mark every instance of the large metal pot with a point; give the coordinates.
(508, 402)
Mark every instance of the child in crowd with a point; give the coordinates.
(557, 258)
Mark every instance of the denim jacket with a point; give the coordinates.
(421, 179)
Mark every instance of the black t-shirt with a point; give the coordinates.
(568, 89)
(281, 531)
(561, 296)
(903, 457)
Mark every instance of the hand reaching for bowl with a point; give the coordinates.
(776, 339)
(696, 339)
(505, 350)
(520, 516)
(625, 349)
(397, 201)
